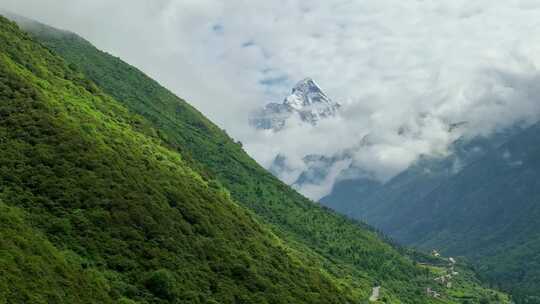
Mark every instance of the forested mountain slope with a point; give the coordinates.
(388, 206)
(490, 212)
(96, 210)
(136, 204)
(323, 234)
(481, 201)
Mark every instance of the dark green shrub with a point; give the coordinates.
(162, 284)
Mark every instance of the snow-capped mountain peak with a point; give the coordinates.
(307, 100)
(305, 93)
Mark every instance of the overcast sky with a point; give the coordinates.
(393, 64)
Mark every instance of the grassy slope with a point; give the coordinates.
(98, 211)
(346, 249)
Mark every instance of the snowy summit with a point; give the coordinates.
(306, 100)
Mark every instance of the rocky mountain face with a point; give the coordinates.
(309, 105)
(307, 101)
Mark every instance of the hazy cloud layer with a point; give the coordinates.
(404, 70)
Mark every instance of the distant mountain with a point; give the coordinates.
(320, 171)
(480, 201)
(307, 101)
(422, 177)
(309, 104)
(488, 211)
(347, 194)
(360, 195)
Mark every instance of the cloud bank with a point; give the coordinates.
(403, 70)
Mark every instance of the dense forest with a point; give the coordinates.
(113, 190)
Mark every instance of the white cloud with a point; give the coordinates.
(417, 65)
